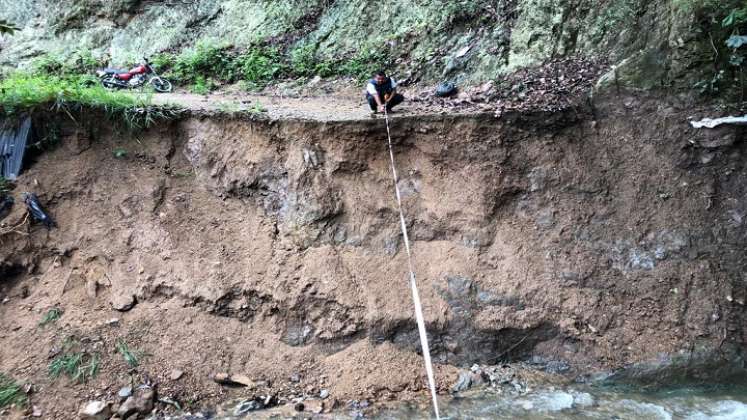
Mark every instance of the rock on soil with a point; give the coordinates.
(96, 410)
(140, 402)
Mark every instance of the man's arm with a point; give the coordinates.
(391, 94)
(371, 89)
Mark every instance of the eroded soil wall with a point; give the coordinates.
(272, 248)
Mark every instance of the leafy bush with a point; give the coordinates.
(202, 67)
(206, 60)
(79, 62)
(7, 27)
(364, 63)
(717, 23)
(259, 65)
(202, 86)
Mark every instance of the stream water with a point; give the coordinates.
(592, 402)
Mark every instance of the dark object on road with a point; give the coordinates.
(446, 89)
(6, 203)
(36, 210)
(13, 138)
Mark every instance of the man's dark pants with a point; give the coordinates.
(396, 100)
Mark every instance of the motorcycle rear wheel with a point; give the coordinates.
(161, 85)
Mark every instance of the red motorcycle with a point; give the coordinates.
(137, 77)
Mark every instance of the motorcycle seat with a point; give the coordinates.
(114, 71)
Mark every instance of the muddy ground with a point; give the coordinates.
(596, 238)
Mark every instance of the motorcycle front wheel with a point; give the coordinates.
(161, 85)
(108, 83)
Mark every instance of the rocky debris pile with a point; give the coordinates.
(131, 403)
(555, 86)
(517, 378)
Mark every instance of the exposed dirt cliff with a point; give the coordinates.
(597, 237)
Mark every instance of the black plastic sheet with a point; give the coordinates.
(13, 138)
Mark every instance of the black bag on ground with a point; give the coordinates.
(36, 210)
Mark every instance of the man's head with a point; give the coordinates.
(380, 77)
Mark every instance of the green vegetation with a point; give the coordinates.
(52, 315)
(68, 86)
(4, 186)
(132, 358)
(28, 92)
(719, 27)
(7, 27)
(78, 365)
(25, 91)
(257, 108)
(206, 66)
(10, 392)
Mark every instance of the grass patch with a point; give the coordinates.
(131, 357)
(11, 393)
(51, 316)
(21, 92)
(78, 366)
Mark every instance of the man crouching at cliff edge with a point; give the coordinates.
(381, 93)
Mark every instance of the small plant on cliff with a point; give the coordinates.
(205, 60)
(10, 392)
(4, 186)
(51, 316)
(78, 365)
(7, 27)
(131, 357)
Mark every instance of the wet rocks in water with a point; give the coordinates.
(583, 400)
(463, 383)
(95, 410)
(467, 379)
(245, 407)
(259, 402)
(140, 402)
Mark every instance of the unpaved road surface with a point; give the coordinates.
(317, 108)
